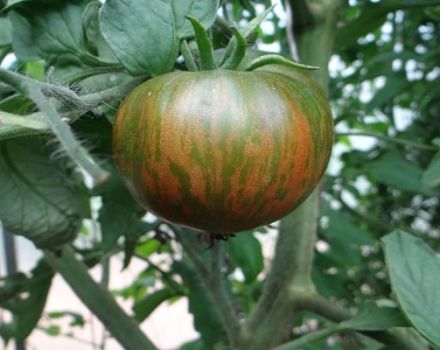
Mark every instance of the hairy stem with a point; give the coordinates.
(99, 301)
(70, 112)
(61, 130)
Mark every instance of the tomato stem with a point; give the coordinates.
(204, 45)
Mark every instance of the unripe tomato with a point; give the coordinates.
(223, 151)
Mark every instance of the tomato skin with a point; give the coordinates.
(223, 151)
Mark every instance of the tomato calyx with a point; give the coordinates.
(212, 238)
(235, 50)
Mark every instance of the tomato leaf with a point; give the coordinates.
(205, 11)
(206, 320)
(144, 307)
(431, 176)
(414, 271)
(5, 31)
(245, 251)
(142, 34)
(47, 30)
(36, 201)
(120, 215)
(373, 317)
(27, 310)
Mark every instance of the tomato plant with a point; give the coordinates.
(214, 134)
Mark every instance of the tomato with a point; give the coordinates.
(223, 151)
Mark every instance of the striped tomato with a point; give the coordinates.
(223, 151)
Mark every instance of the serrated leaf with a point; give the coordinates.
(27, 310)
(206, 321)
(414, 272)
(431, 176)
(204, 10)
(47, 30)
(120, 215)
(36, 200)
(372, 317)
(144, 307)
(142, 34)
(245, 251)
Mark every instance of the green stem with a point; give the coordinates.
(309, 338)
(276, 59)
(63, 132)
(65, 136)
(99, 301)
(319, 305)
(289, 276)
(388, 139)
(238, 51)
(204, 44)
(190, 63)
(213, 282)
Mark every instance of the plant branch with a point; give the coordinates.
(388, 139)
(62, 131)
(82, 105)
(212, 281)
(99, 301)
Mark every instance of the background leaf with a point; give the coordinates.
(144, 307)
(431, 176)
(120, 215)
(245, 251)
(142, 34)
(394, 171)
(206, 320)
(28, 304)
(47, 30)
(414, 271)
